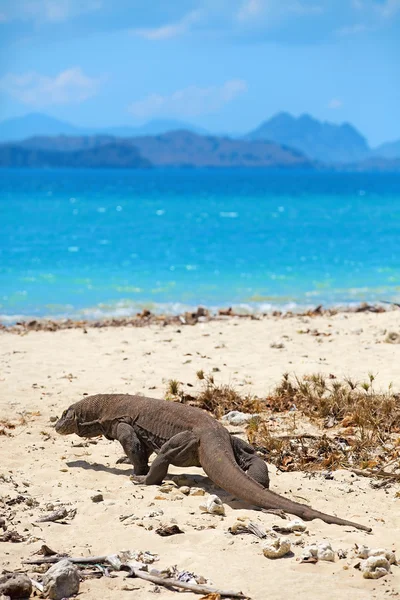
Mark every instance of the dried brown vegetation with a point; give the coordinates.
(367, 422)
(218, 399)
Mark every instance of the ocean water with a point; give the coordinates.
(99, 242)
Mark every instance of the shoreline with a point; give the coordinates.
(201, 315)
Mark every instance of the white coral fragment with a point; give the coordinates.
(375, 567)
(213, 505)
(321, 551)
(235, 417)
(276, 548)
(291, 526)
(365, 552)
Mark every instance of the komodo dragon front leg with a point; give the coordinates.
(136, 451)
(181, 450)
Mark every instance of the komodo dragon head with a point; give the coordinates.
(68, 422)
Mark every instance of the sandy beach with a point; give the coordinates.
(42, 373)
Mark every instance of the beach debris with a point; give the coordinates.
(46, 551)
(296, 525)
(57, 515)
(61, 580)
(15, 585)
(12, 536)
(213, 505)
(392, 337)
(235, 417)
(375, 567)
(315, 552)
(277, 345)
(185, 490)
(126, 561)
(97, 497)
(239, 527)
(365, 552)
(196, 491)
(167, 530)
(276, 548)
(168, 487)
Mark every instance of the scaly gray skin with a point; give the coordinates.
(183, 436)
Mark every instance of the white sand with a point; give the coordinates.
(46, 372)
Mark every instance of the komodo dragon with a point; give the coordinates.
(183, 436)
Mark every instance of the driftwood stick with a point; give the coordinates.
(392, 303)
(90, 560)
(192, 587)
(168, 582)
(61, 513)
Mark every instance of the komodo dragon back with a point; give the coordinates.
(95, 415)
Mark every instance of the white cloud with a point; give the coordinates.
(385, 8)
(189, 102)
(389, 8)
(170, 30)
(251, 10)
(335, 103)
(50, 11)
(350, 30)
(68, 87)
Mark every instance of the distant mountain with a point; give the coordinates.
(34, 124)
(326, 142)
(388, 150)
(174, 149)
(112, 155)
(37, 124)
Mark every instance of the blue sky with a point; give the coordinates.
(225, 65)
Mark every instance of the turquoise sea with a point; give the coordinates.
(99, 242)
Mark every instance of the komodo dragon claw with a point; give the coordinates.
(275, 511)
(138, 479)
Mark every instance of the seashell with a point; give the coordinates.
(184, 489)
(166, 488)
(276, 548)
(365, 552)
(291, 526)
(195, 491)
(321, 551)
(213, 505)
(375, 567)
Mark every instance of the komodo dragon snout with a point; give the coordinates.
(67, 423)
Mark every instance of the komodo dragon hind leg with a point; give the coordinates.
(181, 450)
(249, 461)
(135, 450)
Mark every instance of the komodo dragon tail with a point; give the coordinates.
(218, 461)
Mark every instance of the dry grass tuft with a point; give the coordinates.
(368, 420)
(346, 401)
(220, 399)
